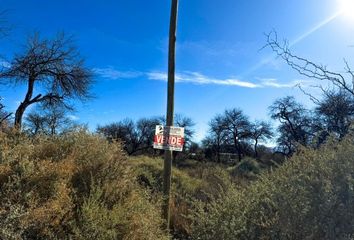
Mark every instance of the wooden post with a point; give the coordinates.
(170, 111)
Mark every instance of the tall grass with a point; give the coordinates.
(198, 181)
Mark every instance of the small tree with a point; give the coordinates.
(137, 137)
(217, 135)
(237, 127)
(56, 119)
(295, 124)
(53, 71)
(188, 124)
(35, 123)
(260, 131)
(334, 113)
(51, 120)
(145, 128)
(123, 130)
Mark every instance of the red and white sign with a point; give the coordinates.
(169, 138)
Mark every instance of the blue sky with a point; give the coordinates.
(219, 61)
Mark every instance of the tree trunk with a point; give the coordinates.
(255, 149)
(218, 153)
(52, 130)
(237, 146)
(239, 152)
(22, 108)
(36, 130)
(19, 115)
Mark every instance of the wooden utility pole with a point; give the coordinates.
(170, 109)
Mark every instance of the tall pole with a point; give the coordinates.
(170, 109)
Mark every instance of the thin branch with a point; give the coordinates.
(312, 98)
(308, 68)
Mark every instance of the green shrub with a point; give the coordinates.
(198, 181)
(310, 197)
(248, 167)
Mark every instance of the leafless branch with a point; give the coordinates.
(312, 98)
(308, 68)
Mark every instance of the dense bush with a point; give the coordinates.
(248, 167)
(310, 197)
(197, 181)
(75, 186)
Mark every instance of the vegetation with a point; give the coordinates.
(50, 120)
(138, 135)
(79, 185)
(58, 180)
(72, 186)
(309, 197)
(55, 67)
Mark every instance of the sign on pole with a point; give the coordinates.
(169, 138)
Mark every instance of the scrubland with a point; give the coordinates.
(80, 186)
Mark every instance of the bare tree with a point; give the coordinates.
(145, 128)
(188, 124)
(56, 119)
(52, 67)
(260, 131)
(137, 137)
(217, 135)
(237, 126)
(51, 120)
(232, 131)
(35, 123)
(123, 130)
(334, 113)
(309, 68)
(295, 123)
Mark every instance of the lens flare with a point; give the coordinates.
(346, 9)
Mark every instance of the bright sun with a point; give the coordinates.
(346, 9)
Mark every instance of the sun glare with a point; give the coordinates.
(346, 9)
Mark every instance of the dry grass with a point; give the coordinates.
(76, 186)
